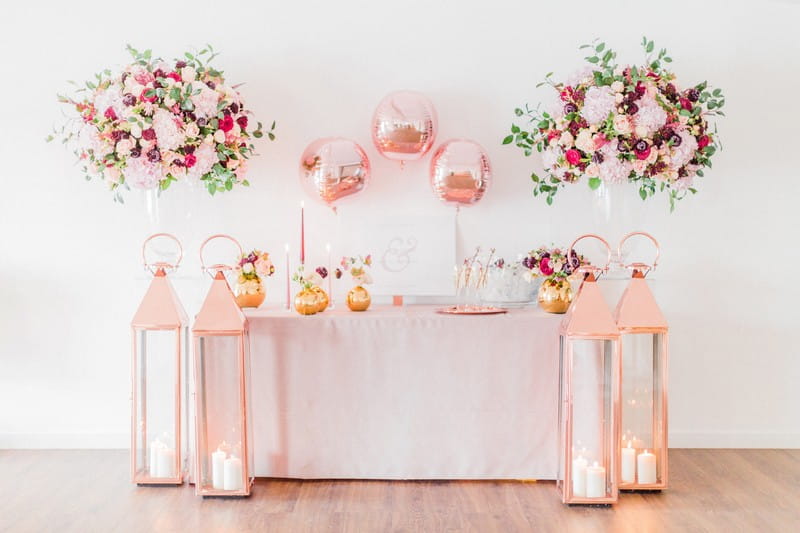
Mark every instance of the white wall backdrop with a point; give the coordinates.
(69, 268)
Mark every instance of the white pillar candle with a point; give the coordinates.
(595, 481)
(579, 476)
(152, 460)
(646, 464)
(233, 474)
(217, 469)
(628, 464)
(165, 462)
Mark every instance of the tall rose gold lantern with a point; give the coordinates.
(588, 414)
(643, 448)
(159, 380)
(224, 463)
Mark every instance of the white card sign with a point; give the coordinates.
(412, 255)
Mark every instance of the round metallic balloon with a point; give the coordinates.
(460, 172)
(334, 168)
(404, 126)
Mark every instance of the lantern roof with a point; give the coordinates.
(637, 309)
(589, 315)
(220, 313)
(160, 307)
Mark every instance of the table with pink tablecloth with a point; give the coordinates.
(404, 393)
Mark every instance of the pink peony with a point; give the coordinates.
(613, 169)
(205, 102)
(168, 130)
(142, 174)
(205, 156)
(651, 116)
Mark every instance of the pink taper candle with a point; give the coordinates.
(302, 233)
(288, 287)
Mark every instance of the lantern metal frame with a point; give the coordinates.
(160, 310)
(638, 313)
(220, 308)
(589, 318)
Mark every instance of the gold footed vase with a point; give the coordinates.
(555, 295)
(358, 299)
(322, 298)
(250, 299)
(306, 302)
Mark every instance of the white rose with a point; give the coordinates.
(592, 170)
(618, 98)
(188, 74)
(145, 145)
(191, 130)
(622, 124)
(136, 130)
(617, 86)
(584, 141)
(209, 139)
(652, 157)
(112, 174)
(566, 139)
(641, 132)
(237, 130)
(219, 136)
(169, 102)
(639, 166)
(247, 268)
(124, 147)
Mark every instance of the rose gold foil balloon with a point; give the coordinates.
(333, 168)
(404, 126)
(460, 172)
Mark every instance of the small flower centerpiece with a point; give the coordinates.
(617, 123)
(552, 264)
(358, 299)
(308, 301)
(156, 122)
(249, 270)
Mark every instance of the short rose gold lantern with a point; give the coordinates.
(159, 380)
(224, 462)
(644, 330)
(588, 414)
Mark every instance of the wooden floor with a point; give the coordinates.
(87, 491)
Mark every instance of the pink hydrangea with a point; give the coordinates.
(205, 102)
(169, 133)
(651, 116)
(613, 170)
(206, 157)
(684, 153)
(141, 174)
(597, 105)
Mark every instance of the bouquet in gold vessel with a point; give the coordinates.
(250, 270)
(311, 299)
(358, 299)
(555, 292)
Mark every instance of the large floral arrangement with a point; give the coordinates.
(615, 123)
(157, 122)
(250, 268)
(552, 263)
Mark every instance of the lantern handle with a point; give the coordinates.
(219, 267)
(591, 268)
(154, 267)
(640, 266)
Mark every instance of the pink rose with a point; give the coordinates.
(573, 157)
(544, 266)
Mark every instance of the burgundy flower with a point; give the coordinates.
(242, 122)
(632, 109)
(642, 149)
(201, 122)
(190, 160)
(180, 64)
(322, 271)
(129, 99)
(234, 108)
(158, 73)
(135, 152)
(703, 141)
(640, 89)
(570, 108)
(676, 139)
(154, 156)
(211, 85)
(175, 76)
(597, 157)
(110, 114)
(116, 135)
(149, 134)
(693, 95)
(686, 104)
(226, 124)
(188, 149)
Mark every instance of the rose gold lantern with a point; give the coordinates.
(588, 414)
(644, 330)
(224, 462)
(160, 338)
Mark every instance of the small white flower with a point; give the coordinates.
(136, 130)
(584, 141)
(617, 86)
(209, 139)
(189, 74)
(566, 139)
(592, 170)
(169, 102)
(191, 130)
(219, 136)
(622, 124)
(618, 98)
(247, 268)
(641, 132)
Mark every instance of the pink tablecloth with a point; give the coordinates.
(405, 393)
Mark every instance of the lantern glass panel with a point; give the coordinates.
(587, 431)
(220, 419)
(643, 425)
(157, 421)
